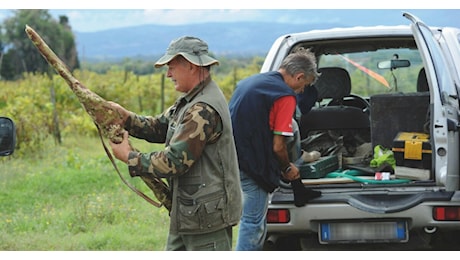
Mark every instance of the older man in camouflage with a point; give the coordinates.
(199, 159)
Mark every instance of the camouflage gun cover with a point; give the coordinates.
(103, 115)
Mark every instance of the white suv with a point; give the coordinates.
(386, 122)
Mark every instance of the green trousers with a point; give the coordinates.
(220, 240)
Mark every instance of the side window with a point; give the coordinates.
(443, 74)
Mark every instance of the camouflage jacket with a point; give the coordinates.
(199, 159)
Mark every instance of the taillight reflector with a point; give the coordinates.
(446, 213)
(278, 216)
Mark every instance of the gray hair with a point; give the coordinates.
(301, 60)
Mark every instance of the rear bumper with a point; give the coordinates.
(414, 207)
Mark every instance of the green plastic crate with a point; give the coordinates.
(318, 169)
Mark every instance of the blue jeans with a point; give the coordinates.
(253, 225)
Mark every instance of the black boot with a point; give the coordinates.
(302, 194)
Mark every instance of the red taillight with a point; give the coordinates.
(278, 216)
(446, 213)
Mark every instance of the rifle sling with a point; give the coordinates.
(148, 199)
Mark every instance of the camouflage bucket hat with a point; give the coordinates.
(191, 48)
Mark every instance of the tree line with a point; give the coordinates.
(18, 55)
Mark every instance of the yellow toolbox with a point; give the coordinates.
(412, 149)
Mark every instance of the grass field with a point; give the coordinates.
(70, 198)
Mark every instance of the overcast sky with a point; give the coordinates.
(84, 16)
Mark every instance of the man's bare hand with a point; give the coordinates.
(293, 174)
(121, 150)
(124, 113)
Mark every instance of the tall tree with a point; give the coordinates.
(23, 56)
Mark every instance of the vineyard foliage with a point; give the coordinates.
(29, 101)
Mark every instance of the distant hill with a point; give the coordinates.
(238, 38)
